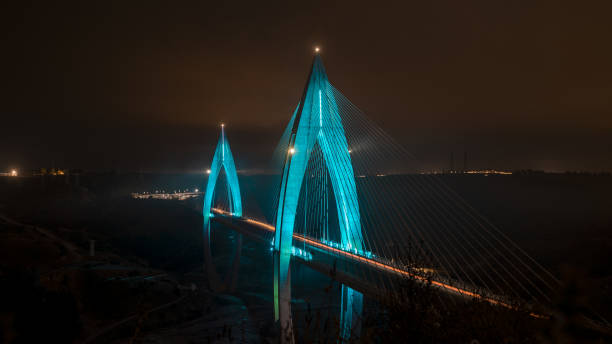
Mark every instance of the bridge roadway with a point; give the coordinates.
(347, 267)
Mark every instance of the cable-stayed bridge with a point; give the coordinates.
(349, 202)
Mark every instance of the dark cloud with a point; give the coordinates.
(133, 85)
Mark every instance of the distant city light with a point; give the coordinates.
(14, 173)
(291, 150)
(208, 171)
(350, 151)
(196, 190)
(222, 125)
(317, 49)
(487, 172)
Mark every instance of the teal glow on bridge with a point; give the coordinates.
(415, 226)
(222, 159)
(316, 122)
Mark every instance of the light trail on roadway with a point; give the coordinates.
(380, 265)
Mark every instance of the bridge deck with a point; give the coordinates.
(347, 267)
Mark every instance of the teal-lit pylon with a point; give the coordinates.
(222, 159)
(316, 121)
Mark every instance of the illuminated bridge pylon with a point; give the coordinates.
(222, 159)
(316, 121)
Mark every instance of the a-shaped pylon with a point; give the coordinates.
(316, 121)
(222, 159)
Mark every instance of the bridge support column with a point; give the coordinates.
(350, 314)
(284, 317)
(215, 282)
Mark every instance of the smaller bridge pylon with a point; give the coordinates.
(222, 159)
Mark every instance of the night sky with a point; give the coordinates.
(143, 85)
